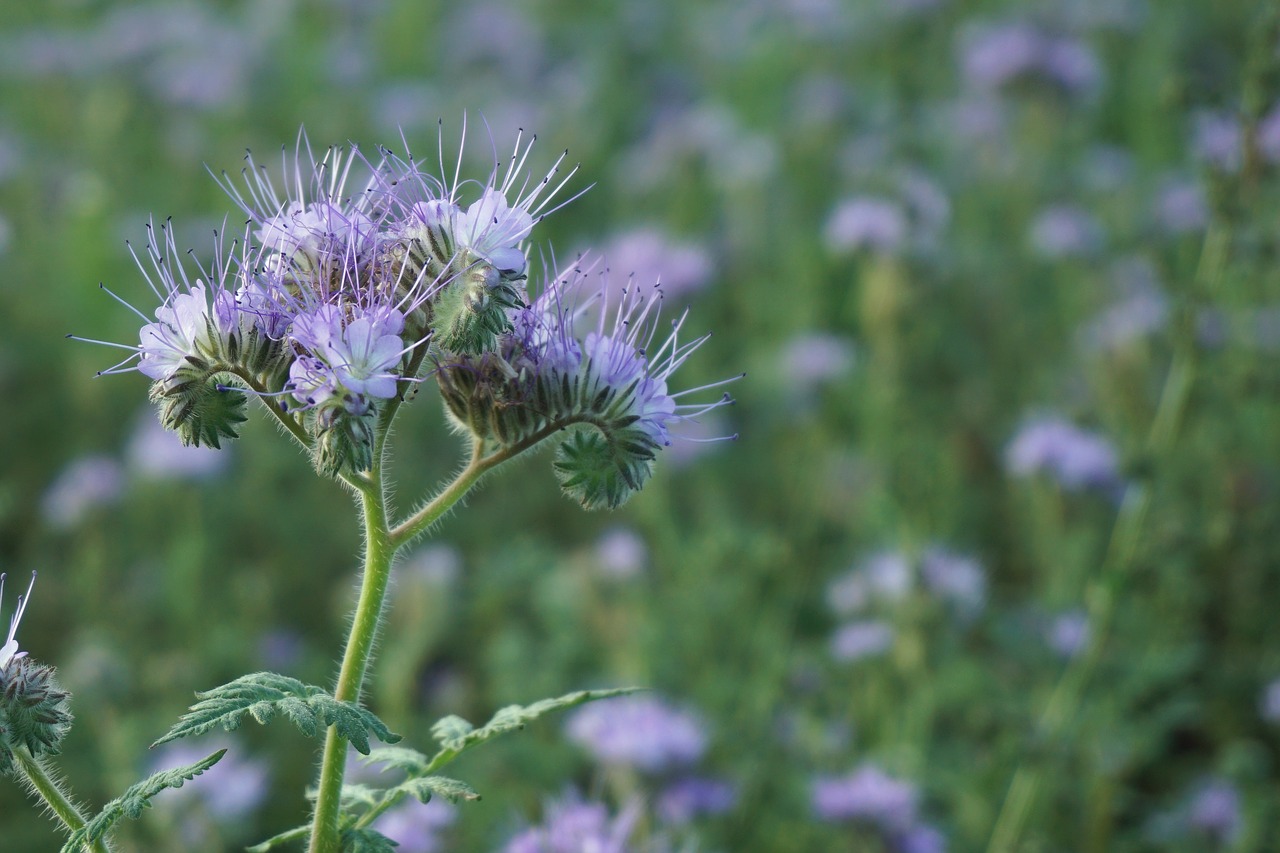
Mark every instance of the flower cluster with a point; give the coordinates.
(337, 300)
(34, 709)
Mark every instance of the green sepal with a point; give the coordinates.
(131, 803)
(264, 694)
(344, 442)
(35, 711)
(602, 470)
(199, 408)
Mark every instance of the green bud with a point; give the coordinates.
(344, 441)
(34, 710)
(194, 404)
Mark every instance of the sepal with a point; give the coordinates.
(198, 407)
(35, 711)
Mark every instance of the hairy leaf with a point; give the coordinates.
(138, 797)
(426, 787)
(264, 694)
(366, 841)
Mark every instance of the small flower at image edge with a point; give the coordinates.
(9, 651)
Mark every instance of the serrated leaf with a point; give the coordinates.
(426, 787)
(353, 795)
(508, 719)
(366, 841)
(398, 758)
(262, 694)
(131, 803)
(451, 728)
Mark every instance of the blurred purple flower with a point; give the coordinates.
(157, 453)
(884, 576)
(228, 792)
(1078, 459)
(280, 649)
(86, 483)
(1218, 140)
(638, 731)
(868, 794)
(1068, 633)
(995, 55)
(1267, 135)
(416, 826)
(438, 564)
(1214, 810)
(815, 357)
(866, 222)
(1065, 231)
(1180, 206)
(649, 255)
(921, 838)
(1142, 309)
(956, 579)
(574, 826)
(686, 799)
(854, 641)
(1269, 706)
(621, 553)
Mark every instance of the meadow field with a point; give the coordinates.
(992, 564)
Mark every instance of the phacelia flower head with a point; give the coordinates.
(573, 825)
(1077, 458)
(611, 385)
(638, 731)
(868, 794)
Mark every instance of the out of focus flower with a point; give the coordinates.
(883, 576)
(956, 579)
(85, 484)
(1065, 231)
(866, 222)
(1180, 206)
(857, 640)
(809, 359)
(621, 553)
(638, 731)
(996, 55)
(416, 826)
(1142, 309)
(227, 793)
(1267, 135)
(438, 564)
(1269, 706)
(1076, 458)
(1069, 633)
(686, 799)
(921, 838)
(572, 825)
(648, 254)
(869, 795)
(1218, 140)
(157, 453)
(1214, 810)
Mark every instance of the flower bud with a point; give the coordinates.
(34, 710)
(344, 440)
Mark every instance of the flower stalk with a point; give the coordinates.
(42, 782)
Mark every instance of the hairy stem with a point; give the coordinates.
(48, 789)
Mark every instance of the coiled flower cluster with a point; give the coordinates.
(335, 302)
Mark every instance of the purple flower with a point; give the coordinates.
(1180, 206)
(416, 826)
(813, 358)
(995, 55)
(1142, 310)
(648, 254)
(438, 564)
(86, 483)
(1076, 458)
(228, 792)
(351, 359)
(572, 825)
(1267, 135)
(686, 799)
(883, 576)
(1218, 139)
(1069, 633)
(638, 731)
(857, 640)
(869, 795)
(1214, 810)
(957, 579)
(920, 838)
(1065, 231)
(621, 553)
(157, 453)
(1269, 706)
(864, 222)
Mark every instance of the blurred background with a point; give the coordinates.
(960, 249)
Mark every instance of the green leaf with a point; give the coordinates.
(455, 738)
(426, 787)
(366, 841)
(264, 694)
(131, 803)
(399, 758)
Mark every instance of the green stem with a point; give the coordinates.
(47, 788)
(378, 555)
(1126, 536)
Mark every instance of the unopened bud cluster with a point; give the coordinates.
(337, 301)
(34, 709)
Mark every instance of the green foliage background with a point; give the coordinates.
(172, 589)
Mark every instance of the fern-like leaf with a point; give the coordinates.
(426, 787)
(131, 803)
(264, 694)
(457, 735)
(366, 841)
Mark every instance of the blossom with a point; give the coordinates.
(856, 640)
(621, 553)
(351, 358)
(573, 825)
(814, 358)
(1064, 231)
(692, 796)
(1214, 809)
(957, 579)
(156, 453)
(867, 794)
(415, 826)
(1076, 458)
(233, 788)
(9, 651)
(88, 482)
(866, 222)
(638, 731)
(1069, 633)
